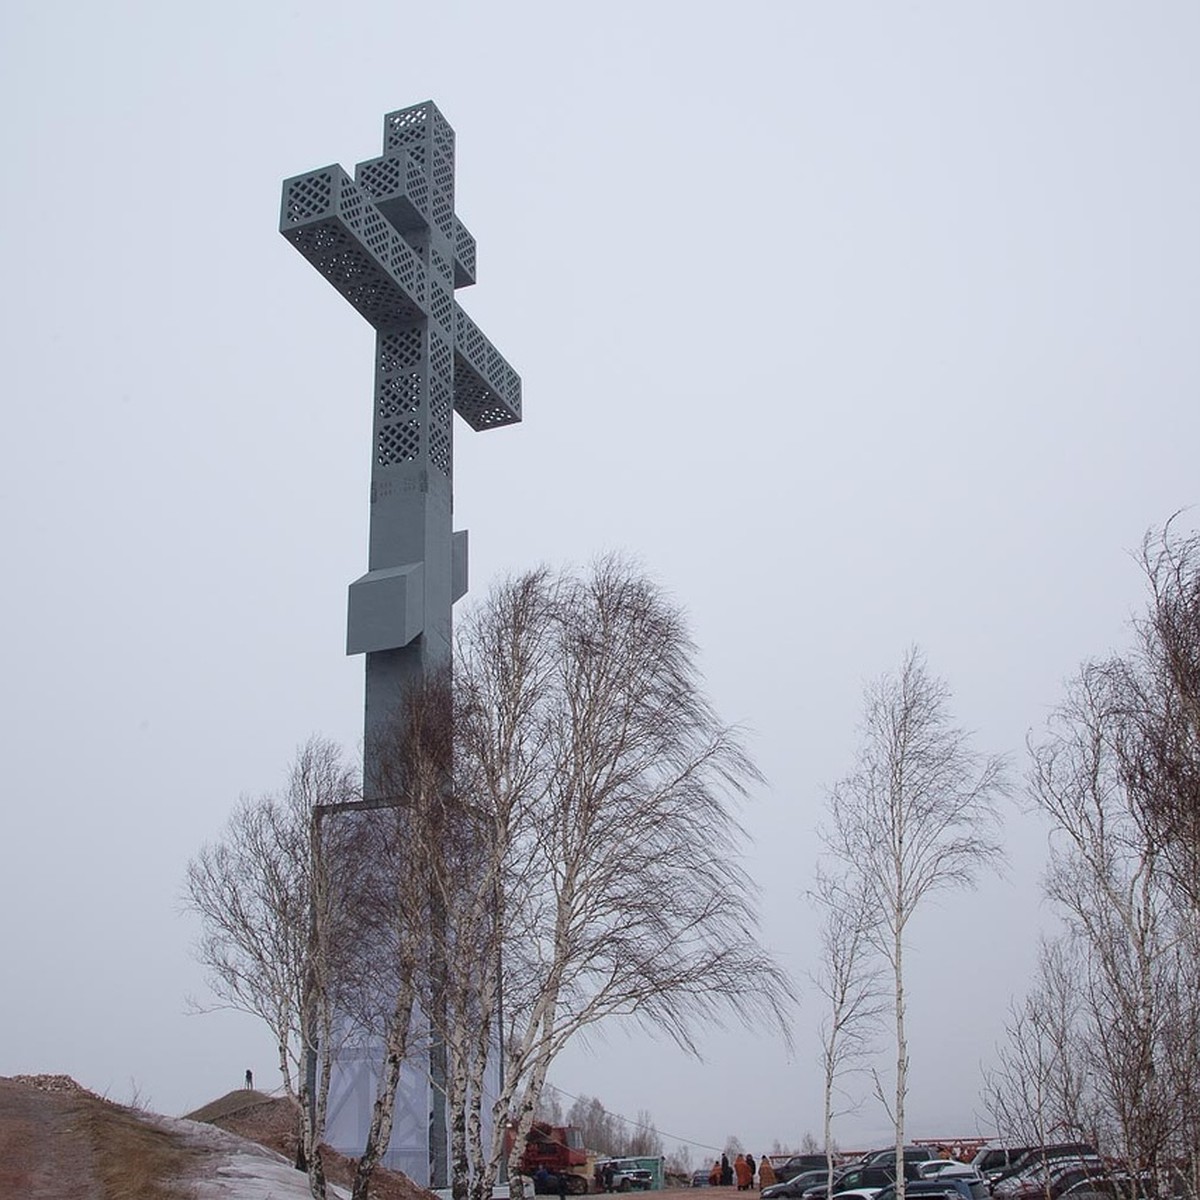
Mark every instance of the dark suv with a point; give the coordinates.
(798, 1163)
(794, 1188)
(862, 1175)
(993, 1161)
(885, 1158)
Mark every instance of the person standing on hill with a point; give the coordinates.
(726, 1171)
(750, 1164)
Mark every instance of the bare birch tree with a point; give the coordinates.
(1155, 691)
(644, 1140)
(1106, 876)
(1117, 773)
(611, 782)
(273, 927)
(1041, 1084)
(916, 817)
(504, 668)
(848, 981)
(601, 1130)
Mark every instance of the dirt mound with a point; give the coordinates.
(58, 1139)
(269, 1120)
(385, 1185)
(272, 1122)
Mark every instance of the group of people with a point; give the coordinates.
(742, 1168)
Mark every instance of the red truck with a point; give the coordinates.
(559, 1149)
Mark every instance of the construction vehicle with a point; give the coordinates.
(559, 1150)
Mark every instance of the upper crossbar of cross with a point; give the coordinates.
(391, 244)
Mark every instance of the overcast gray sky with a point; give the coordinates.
(860, 324)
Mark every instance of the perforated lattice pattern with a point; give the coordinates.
(442, 206)
(406, 129)
(397, 443)
(441, 304)
(400, 349)
(381, 177)
(442, 267)
(512, 389)
(399, 394)
(441, 358)
(479, 406)
(353, 245)
(400, 375)
(388, 179)
(469, 338)
(443, 134)
(487, 391)
(464, 252)
(418, 185)
(307, 197)
(408, 268)
(441, 401)
(355, 273)
(366, 220)
(441, 407)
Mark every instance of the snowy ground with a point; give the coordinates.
(237, 1169)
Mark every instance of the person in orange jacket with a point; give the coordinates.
(741, 1168)
(766, 1172)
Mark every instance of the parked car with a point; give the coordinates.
(938, 1168)
(1050, 1179)
(885, 1158)
(798, 1163)
(1041, 1155)
(700, 1177)
(794, 1188)
(627, 1175)
(861, 1175)
(992, 1161)
(956, 1187)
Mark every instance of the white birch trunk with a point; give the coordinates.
(828, 1127)
(901, 1060)
(379, 1132)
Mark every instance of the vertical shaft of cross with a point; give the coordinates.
(411, 515)
(411, 508)
(411, 488)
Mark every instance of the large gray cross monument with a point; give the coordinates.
(390, 242)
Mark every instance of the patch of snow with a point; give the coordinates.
(236, 1168)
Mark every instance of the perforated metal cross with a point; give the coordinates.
(390, 242)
